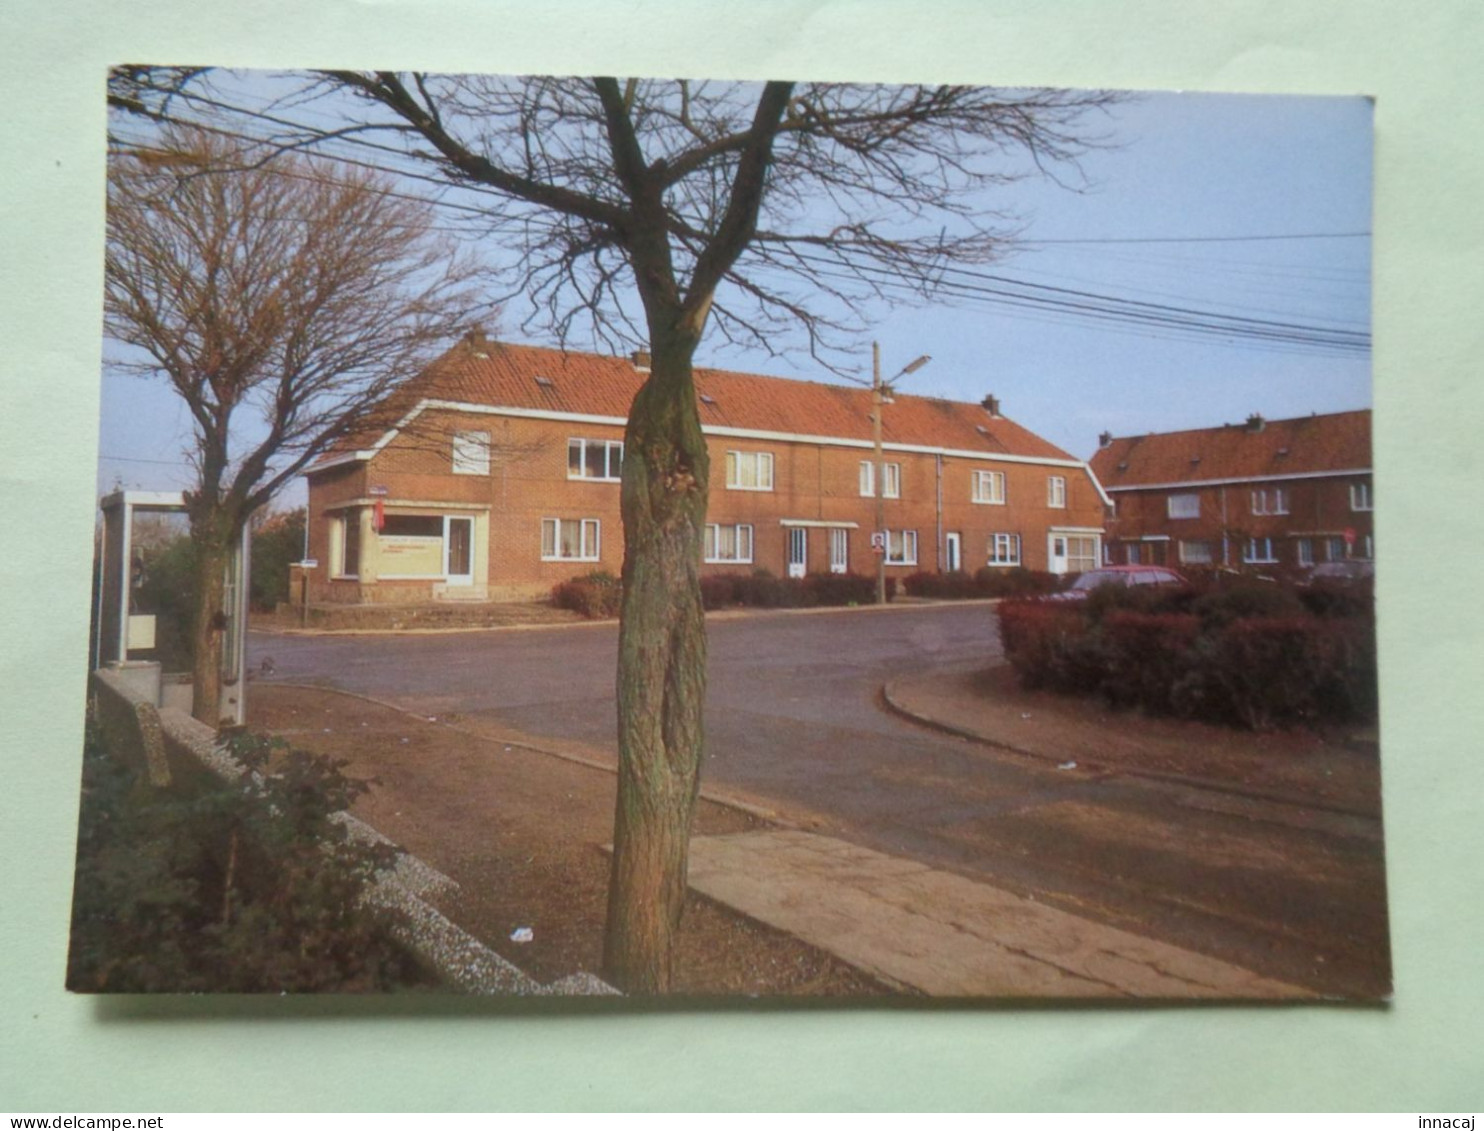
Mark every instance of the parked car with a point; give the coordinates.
(1345, 572)
(1125, 576)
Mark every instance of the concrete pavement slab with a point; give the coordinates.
(947, 936)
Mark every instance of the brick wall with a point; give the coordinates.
(1318, 510)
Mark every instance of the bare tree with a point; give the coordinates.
(749, 209)
(281, 306)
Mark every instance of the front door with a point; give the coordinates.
(952, 552)
(798, 551)
(458, 550)
(1058, 554)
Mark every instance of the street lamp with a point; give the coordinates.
(879, 392)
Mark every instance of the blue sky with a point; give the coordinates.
(1196, 174)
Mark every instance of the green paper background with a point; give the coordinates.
(1422, 62)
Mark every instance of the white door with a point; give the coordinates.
(798, 551)
(458, 550)
(953, 560)
(1057, 557)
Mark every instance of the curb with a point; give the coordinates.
(891, 697)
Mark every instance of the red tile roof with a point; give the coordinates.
(1338, 441)
(532, 377)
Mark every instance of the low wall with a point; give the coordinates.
(175, 751)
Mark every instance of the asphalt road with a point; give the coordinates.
(793, 720)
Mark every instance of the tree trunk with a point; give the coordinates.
(661, 673)
(209, 617)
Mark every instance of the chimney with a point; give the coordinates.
(1255, 423)
(1104, 439)
(475, 339)
(991, 405)
(641, 360)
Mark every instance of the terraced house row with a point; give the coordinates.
(498, 476)
(1267, 495)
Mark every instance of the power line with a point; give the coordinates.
(976, 286)
(1207, 239)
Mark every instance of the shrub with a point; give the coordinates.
(1148, 653)
(845, 588)
(1047, 644)
(249, 886)
(1244, 599)
(718, 590)
(593, 595)
(1015, 582)
(953, 586)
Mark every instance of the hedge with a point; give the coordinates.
(600, 594)
(985, 582)
(1257, 671)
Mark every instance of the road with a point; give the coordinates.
(793, 721)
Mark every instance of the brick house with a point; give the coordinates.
(1273, 495)
(497, 475)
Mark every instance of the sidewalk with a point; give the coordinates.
(1082, 736)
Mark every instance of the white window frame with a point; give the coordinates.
(589, 540)
(1304, 551)
(1187, 559)
(761, 462)
(1004, 549)
(1270, 500)
(1360, 497)
(1250, 554)
(1333, 543)
(713, 546)
(1089, 560)
(906, 548)
(1186, 504)
(580, 445)
(839, 550)
(471, 453)
(1056, 491)
(989, 488)
(891, 478)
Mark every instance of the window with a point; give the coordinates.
(1184, 506)
(595, 459)
(1132, 553)
(1360, 496)
(839, 550)
(471, 453)
(569, 539)
(1195, 553)
(989, 487)
(412, 526)
(891, 475)
(901, 547)
(1370, 548)
(749, 471)
(1056, 491)
(347, 562)
(1004, 549)
(1305, 551)
(1082, 553)
(1259, 550)
(1274, 501)
(1334, 550)
(728, 543)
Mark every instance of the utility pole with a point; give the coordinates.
(879, 397)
